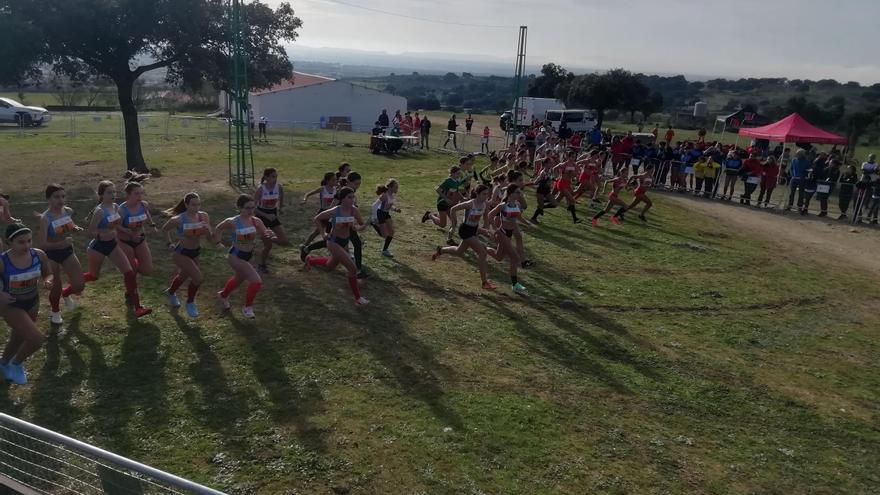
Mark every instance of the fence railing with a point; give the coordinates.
(37, 461)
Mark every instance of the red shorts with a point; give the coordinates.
(584, 178)
(639, 192)
(612, 195)
(562, 185)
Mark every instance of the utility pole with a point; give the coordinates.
(241, 153)
(513, 130)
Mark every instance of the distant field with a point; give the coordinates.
(691, 354)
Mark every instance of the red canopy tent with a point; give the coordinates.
(793, 129)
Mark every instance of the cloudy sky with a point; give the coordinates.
(734, 38)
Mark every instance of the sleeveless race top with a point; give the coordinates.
(244, 235)
(269, 198)
(327, 197)
(19, 282)
(510, 212)
(338, 220)
(133, 220)
(473, 215)
(191, 228)
(59, 226)
(109, 218)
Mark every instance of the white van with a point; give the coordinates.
(577, 120)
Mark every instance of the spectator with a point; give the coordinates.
(484, 141)
(596, 136)
(665, 155)
(669, 135)
(752, 170)
(637, 156)
(424, 131)
(732, 166)
(700, 173)
(383, 118)
(397, 118)
(768, 180)
(713, 168)
(797, 178)
(406, 124)
(451, 127)
(417, 123)
(575, 141)
(675, 167)
(827, 180)
(847, 185)
(541, 137)
(262, 128)
(701, 135)
(564, 131)
(468, 123)
(656, 131)
(640, 126)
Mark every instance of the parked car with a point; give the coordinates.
(13, 112)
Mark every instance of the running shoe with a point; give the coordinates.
(56, 318)
(387, 254)
(362, 301)
(192, 310)
(224, 301)
(426, 216)
(519, 289)
(248, 311)
(69, 303)
(15, 373)
(594, 222)
(527, 264)
(303, 252)
(437, 253)
(173, 301)
(615, 220)
(141, 311)
(488, 285)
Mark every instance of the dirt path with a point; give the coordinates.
(854, 245)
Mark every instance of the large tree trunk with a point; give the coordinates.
(600, 117)
(134, 157)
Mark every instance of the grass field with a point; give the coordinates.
(680, 356)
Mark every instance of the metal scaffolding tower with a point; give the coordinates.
(241, 153)
(513, 130)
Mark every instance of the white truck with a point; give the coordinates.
(576, 120)
(531, 108)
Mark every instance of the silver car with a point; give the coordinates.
(13, 112)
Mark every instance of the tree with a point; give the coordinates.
(545, 85)
(857, 124)
(67, 92)
(123, 39)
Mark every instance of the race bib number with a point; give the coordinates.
(194, 229)
(753, 180)
(62, 225)
(246, 234)
(823, 188)
(113, 218)
(23, 283)
(137, 221)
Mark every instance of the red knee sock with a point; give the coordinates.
(230, 286)
(131, 287)
(252, 290)
(176, 282)
(88, 277)
(318, 260)
(355, 288)
(55, 302)
(136, 264)
(191, 292)
(67, 291)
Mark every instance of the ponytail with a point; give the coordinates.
(480, 188)
(181, 206)
(510, 189)
(266, 173)
(327, 177)
(380, 190)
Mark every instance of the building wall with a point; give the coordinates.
(311, 105)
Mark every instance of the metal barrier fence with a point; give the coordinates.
(37, 461)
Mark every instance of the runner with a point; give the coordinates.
(270, 206)
(6, 214)
(191, 225)
(326, 192)
(245, 228)
(641, 192)
(588, 180)
(562, 187)
(135, 215)
(617, 183)
(509, 211)
(543, 181)
(474, 209)
(104, 224)
(516, 177)
(448, 195)
(344, 220)
(382, 208)
(21, 268)
(53, 238)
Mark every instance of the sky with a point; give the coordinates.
(805, 39)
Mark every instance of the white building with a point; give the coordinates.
(308, 100)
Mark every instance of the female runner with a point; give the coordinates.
(509, 211)
(588, 180)
(617, 183)
(469, 229)
(383, 207)
(103, 226)
(53, 238)
(245, 228)
(448, 195)
(566, 172)
(352, 181)
(21, 268)
(644, 181)
(516, 177)
(344, 219)
(135, 215)
(6, 214)
(543, 181)
(191, 225)
(270, 203)
(327, 193)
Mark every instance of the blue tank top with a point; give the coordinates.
(191, 228)
(244, 235)
(109, 218)
(341, 221)
(133, 219)
(21, 281)
(59, 226)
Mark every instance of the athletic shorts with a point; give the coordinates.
(382, 216)
(59, 255)
(271, 224)
(340, 241)
(189, 253)
(443, 205)
(242, 255)
(134, 244)
(103, 247)
(543, 188)
(26, 305)
(466, 231)
(508, 232)
(562, 185)
(640, 192)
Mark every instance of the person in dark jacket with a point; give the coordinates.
(797, 172)
(383, 118)
(847, 185)
(827, 178)
(451, 126)
(424, 131)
